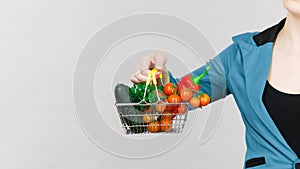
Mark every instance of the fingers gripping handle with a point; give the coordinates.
(151, 76)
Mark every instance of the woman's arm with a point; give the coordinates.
(215, 83)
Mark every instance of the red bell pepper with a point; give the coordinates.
(192, 82)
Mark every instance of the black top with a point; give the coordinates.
(270, 34)
(284, 109)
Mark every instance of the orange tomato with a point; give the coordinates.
(204, 99)
(147, 117)
(166, 124)
(153, 126)
(174, 99)
(186, 94)
(160, 107)
(170, 89)
(195, 102)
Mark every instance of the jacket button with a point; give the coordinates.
(297, 165)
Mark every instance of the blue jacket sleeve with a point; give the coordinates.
(215, 82)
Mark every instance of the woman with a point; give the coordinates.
(260, 70)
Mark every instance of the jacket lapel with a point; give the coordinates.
(257, 61)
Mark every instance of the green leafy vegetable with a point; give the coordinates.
(136, 94)
(153, 95)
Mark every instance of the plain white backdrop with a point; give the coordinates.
(40, 42)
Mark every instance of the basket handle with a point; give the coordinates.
(147, 83)
(148, 78)
(154, 71)
(151, 75)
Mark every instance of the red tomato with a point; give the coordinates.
(204, 99)
(170, 108)
(186, 94)
(166, 125)
(174, 99)
(168, 115)
(195, 102)
(181, 109)
(170, 89)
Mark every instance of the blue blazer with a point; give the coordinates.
(242, 70)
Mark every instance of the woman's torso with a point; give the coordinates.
(284, 110)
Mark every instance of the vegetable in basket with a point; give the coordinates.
(136, 94)
(122, 96)
(170, 104)
(192, 82)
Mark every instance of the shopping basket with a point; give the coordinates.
(158, 117)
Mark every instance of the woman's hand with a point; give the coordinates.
(148, 62)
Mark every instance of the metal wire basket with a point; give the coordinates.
(156, 118)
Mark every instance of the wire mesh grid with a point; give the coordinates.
(137, 118)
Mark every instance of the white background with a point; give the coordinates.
(39, 45)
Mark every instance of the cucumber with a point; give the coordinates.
(122, 93)
(122, 96)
